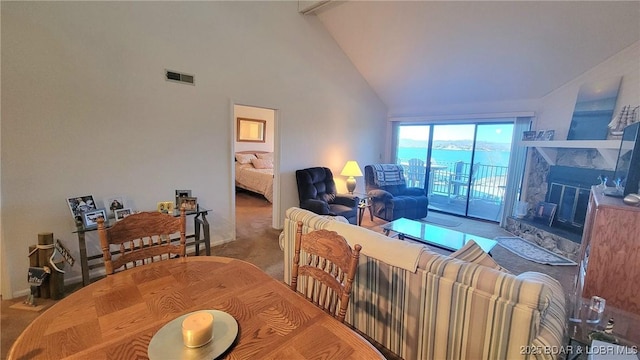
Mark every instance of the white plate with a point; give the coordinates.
(167, 342)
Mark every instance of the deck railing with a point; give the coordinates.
(453, 179)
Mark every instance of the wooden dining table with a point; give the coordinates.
(117, 316)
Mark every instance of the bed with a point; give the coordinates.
(254, 172)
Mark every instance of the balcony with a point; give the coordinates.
(449, 183)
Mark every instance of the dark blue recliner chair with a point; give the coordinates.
(317, 193)
(390, 197)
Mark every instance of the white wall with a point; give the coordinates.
(86, 109)
(267, 115)
(556, 109)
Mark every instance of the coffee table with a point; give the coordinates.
(435, 235)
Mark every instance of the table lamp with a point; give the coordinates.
(351, 169)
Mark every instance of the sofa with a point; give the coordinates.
(419, 304)
(390, 197)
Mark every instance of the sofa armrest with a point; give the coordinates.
(380, 195)
(414, 191)
(316, 206)
(346, 200)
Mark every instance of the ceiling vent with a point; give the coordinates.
(179, 77)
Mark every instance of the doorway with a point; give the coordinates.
(462, 167)
(255, 160)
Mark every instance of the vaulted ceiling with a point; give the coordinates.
(428, 55)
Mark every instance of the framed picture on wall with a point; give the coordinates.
(251, 130)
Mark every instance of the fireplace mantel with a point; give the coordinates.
(549, 149)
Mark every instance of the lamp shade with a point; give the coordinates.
(351, 169)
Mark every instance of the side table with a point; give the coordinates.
(201, 226)
(365, 203)
(626, 329)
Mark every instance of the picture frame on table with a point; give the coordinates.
(165, 207)
(181, 194)
(122, 213)
(114, 203)
(90, 218)
(190, 203)
(79, 204)
(545, 212)
(528, 135)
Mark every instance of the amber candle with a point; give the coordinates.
(197, 329)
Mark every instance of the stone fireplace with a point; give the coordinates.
(566, 184)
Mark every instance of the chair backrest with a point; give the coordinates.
(142, 238)
(329, 260)
(315, 183)
(416, 173)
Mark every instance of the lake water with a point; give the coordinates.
(448, 157)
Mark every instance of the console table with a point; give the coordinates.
(201, 235)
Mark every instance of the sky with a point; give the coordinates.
(499, 133)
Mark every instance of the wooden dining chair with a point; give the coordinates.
(141, 238)
(331, 262)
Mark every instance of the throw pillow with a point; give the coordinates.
(265, 156)
(262, 164)
(473, 253)
(245, 158)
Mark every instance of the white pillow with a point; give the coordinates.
(245, 158)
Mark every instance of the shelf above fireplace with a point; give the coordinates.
(549, 149)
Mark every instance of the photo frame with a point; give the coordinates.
(165, 207)
(79, 204)
(122, 213)
(114, 203)
(90, 218)
(528, 135)
(181, 194)
(545, 212)
(540, 135)
(548, 135)
(191, 203)
(251, 130)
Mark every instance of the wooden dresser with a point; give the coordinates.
(610, 252)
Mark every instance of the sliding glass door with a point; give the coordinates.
(468, 165)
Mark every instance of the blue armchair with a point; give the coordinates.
(390, 197)
(317, 193)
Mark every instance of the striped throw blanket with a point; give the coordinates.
(388, 174)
